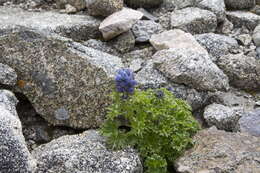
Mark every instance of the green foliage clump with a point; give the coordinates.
(156, 123)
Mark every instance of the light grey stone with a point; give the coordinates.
(7, 75)
(147, 15)
(256, 36)
(249, 123)
(78, 4)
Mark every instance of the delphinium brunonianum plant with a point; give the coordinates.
(155, 122)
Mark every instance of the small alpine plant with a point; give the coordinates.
(155, 122)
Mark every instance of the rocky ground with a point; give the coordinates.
(57, 63)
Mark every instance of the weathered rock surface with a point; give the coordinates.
(194, 20)
(223, 117)
(124, 42)
(239, 5)
(256, 36)
(192, 68)
(7, 75)
(249, 123)
(78, 4)
(243, 71)
(119, 22)
(77, 27)
(14, 155)
(86, 152)
(67, 83)
(143, 3)
(103, 7)
(220, 151)
(176, 39)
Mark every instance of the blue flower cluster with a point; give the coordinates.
(125, 82)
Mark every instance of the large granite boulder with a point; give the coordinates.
(220, 151)
(67, 83)
(14, 155)
(77, 27)
(87, 153)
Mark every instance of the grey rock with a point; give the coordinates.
(86, 152)
(192, 68)
(239, 5)
(223, 117)
(14, 155)
(103, 7)
(69, 9)
(244, 39)
(216, 6)
(144, 29)
(249, 123)
(220, 151)
(145, 53)
(256, 36)
(136, 65)
(243, 71)
(243, 18)
(143, 3)
(124, 42)
(147, 15)
(258, 2)
(119, 22)
(217, 45)
(77, 27)
(66, 82)
(226, 27)
(7, 75)
(179, 4)
(194, 20)
(78, 4)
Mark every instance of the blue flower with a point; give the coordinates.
(125, 82)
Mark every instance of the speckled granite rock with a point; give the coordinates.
(87, 153)
(143, 3)
(249, 123)
(243, 71)
(220, 151)
(192, 68)
(194, 20)
(124, 42)
(239, 5)
(66, 82)
(77, 27)
(7, 75)
(14, 155)
(103, 7)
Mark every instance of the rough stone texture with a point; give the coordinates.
(103, 7)
(147, 15)
(66, 82)
(243, 71)
(143, 3)
(239, 5)
(14, 155)
(119, 22)
(77, 27)
(78, 4)
(243, 18)
(223, 117)
(192, 68)
(86, 152)
(217, 45)
(176, 39)
(179, 4)
(256, 36)
(144, 29)
(250, 123)
(220, 151)
(216, 6)
(194, 20)
(7, 75)
(124, 42)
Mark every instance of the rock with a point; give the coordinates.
(136, 65)
(78, 4)
(194, 20)
(144, 29)
(143, 3)
(86, 152)
(7, 75)
(250, 123)
(192, 68)
(147, 15)
(175, 39)
(179, 4)
(239, 5)
(77, 27)
(66, 82)
(226, 27)
(243, 71)
(145, 53)
(244, 39)
(216, 6)
(243, 18)
(223, 117)
(256, 36)
(119, 22)
(14, 155)
(103, 7)
(124, 42)
(220, 151)
(217, 45)
(69, 9)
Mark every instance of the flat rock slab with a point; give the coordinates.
(86, 153)
(66, 82)
(220, 151)
(77, 27)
